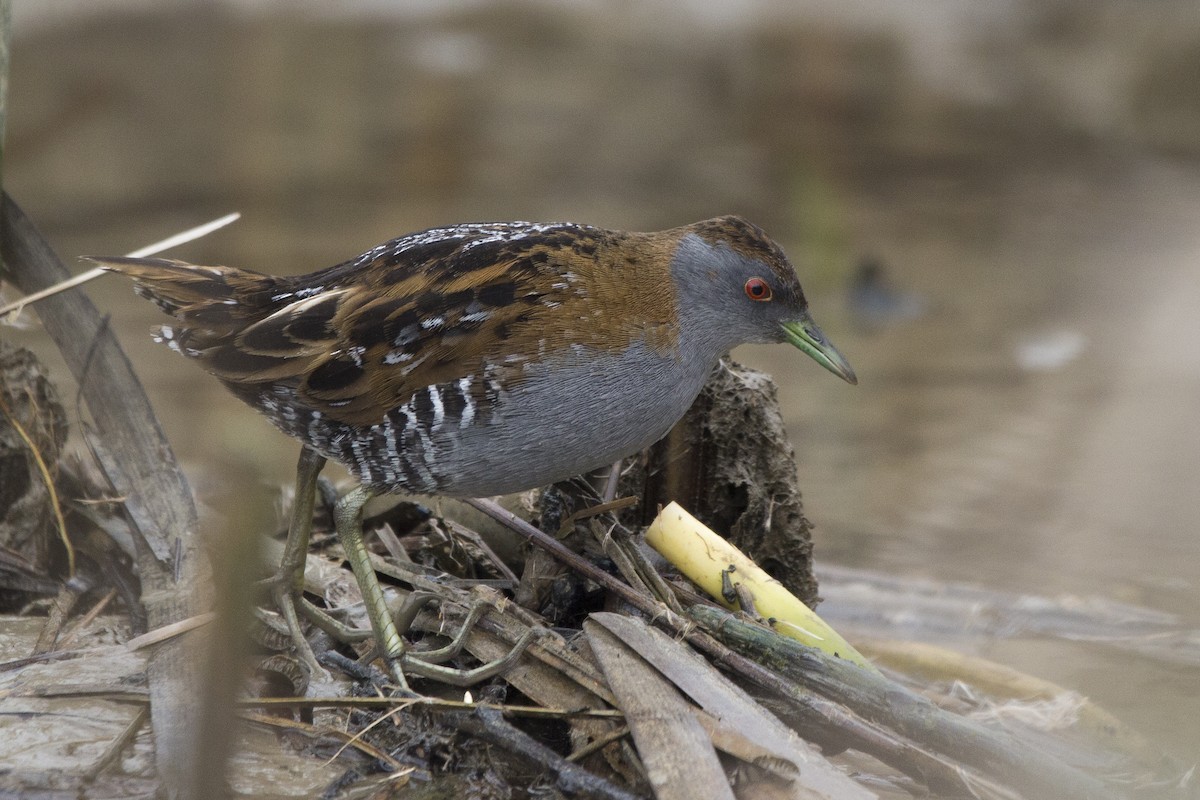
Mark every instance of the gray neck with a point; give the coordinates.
(706, 276)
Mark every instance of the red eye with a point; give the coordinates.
(758, 289)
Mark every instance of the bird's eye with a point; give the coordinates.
(758, 289)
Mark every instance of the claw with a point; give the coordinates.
(288, 584)
(470, 677)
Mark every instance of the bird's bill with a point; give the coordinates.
(805, 334)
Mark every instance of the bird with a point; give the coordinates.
(479, 359)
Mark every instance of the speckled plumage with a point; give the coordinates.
(483, 358)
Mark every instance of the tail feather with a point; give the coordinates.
(216, 307)
(219, 299)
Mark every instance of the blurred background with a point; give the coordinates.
(994, 208)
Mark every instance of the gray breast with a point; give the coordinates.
(580, 412)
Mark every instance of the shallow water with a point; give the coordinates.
(1027, 177)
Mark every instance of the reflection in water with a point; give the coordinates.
(1026, 418)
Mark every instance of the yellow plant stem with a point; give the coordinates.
(723, 571)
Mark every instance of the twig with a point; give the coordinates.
(611, 482)
(41, 658)
(87, 618)
(391, 542)
(170, 631)
(113, 750)
(61, 606)
(596, 510)
(572, 779)
(599, 743)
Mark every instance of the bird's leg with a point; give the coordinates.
(426, 663)
(347, 516)
(456, 644)
(335, 628)
(288, 581)
(291, 566)
(348, 634)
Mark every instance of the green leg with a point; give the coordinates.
(288, 581)
(470, 677)
(348, 520)
(291, 566)
(344, 633)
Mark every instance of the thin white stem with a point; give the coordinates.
(186, 236)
